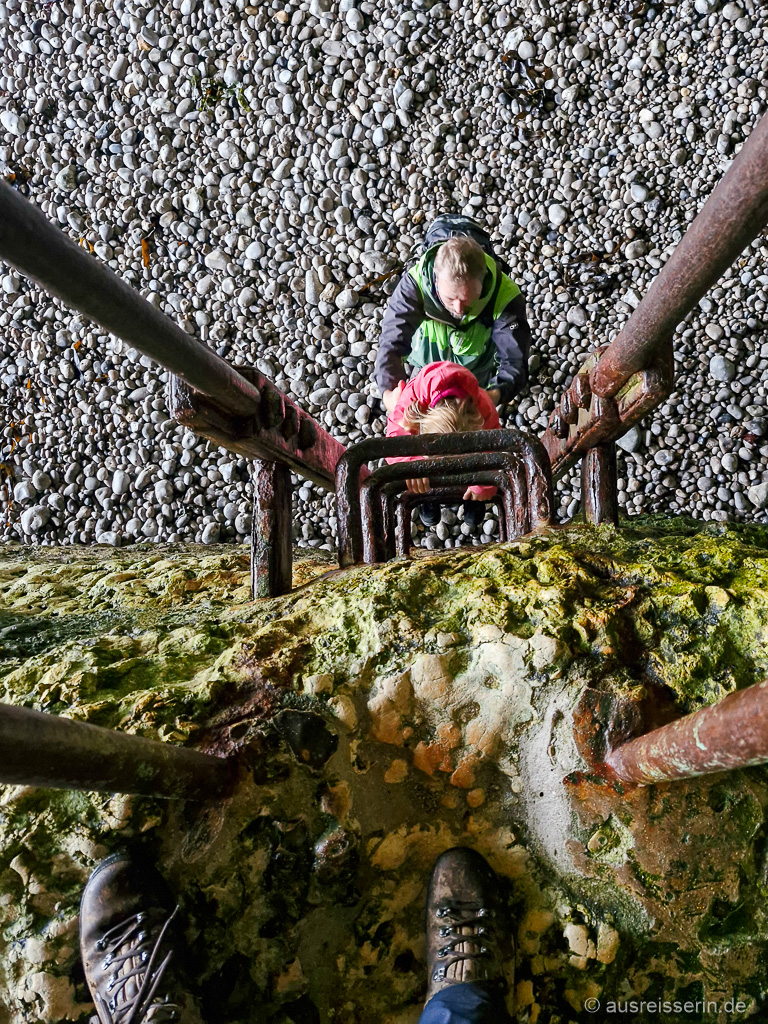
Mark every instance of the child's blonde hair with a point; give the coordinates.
(448, 416)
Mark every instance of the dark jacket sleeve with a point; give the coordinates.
(404, 313)
(512, 337)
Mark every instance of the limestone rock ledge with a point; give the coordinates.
(381, 715)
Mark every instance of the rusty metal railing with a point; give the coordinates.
(241, 411)
(440, 449)
(385, 531)
(402, 501)
(730, 734)
(377, 492)
(620, 384)
(37, 749)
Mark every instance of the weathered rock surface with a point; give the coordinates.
(461, 688)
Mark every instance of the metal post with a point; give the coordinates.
(271, 553)
(374, 549)
(40, 250)
(388, 518)
(403, 526)
(730, 734)
(44, 750)
(599, 497)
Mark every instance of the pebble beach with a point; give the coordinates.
(255, 171)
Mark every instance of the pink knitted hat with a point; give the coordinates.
(453, 392)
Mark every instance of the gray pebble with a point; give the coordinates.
(312, 288)
(347, 299)
(119, 68)
(216, 260)
(557, 215)
(343, 413)
(66, 179)
(211, 533)
(24, 490)
(406, 100)
(722, 369)
(164, 491)
(120, 482)
(758, 495)
(639, 192)
(635, 250)
(12, 122)
(630, 442)
(35, 518)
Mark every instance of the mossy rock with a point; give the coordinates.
(454, 685)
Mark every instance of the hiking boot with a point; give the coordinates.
(131, 948)
(474, 513)
(463, 928)
(429, 514)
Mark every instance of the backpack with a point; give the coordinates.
(450, 225)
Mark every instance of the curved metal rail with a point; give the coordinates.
(527, 449)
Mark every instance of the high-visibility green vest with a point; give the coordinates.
(469, 343)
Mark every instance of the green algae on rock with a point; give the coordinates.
(459, 689)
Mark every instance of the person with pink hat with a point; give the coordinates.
(443, 398)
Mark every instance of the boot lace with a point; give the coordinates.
(469, 928)
(132, 952)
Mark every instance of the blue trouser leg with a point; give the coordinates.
(465, 1003)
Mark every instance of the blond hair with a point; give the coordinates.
(448, 416)
(461, 259)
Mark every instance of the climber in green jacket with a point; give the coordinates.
(455, 304)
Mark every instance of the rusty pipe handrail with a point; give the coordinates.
(42, 251)
(450, 491)
(733, 215)
(38, 749)
(619, 385)
(730, 734)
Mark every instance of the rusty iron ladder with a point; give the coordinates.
(247, 414)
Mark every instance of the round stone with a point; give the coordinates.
(12, 123)
(66, 179)
(24, 491)
(164, 491)
(216, 260)
(346, 299)
(638, 192)
(557, 215)
(35, 518)
(630, 442)
(635, 250)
